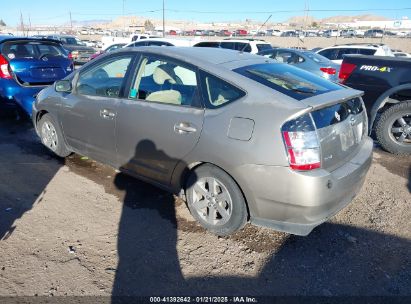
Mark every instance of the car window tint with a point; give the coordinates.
(346, 51)
(288, 80)
(18, 50)
(208, 44)
(105, 79)
(263, 46)
(288, 57)
(367, 51)
(49, 50)
(329, 53)
(219, 92)
(163, 81)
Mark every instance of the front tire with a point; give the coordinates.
(393, 129)
(215, 200)
(51, 136)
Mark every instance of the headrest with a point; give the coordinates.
(164, 72)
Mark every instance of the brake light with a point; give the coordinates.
(302, 144)
(346, 71)
(4, 68)
(70, 56)
(329, 71)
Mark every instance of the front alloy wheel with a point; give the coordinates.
(49, 136)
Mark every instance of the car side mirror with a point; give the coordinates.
(63, 86)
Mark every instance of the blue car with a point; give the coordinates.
(27, 65)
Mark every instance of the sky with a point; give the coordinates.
(57, 12)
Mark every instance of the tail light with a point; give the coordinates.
(70, 56)
(329, 71)
(302, 144)
(5, 68)
(346, 71)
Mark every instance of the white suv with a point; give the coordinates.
(246, 45)
(337, 52)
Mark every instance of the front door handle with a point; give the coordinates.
(107, 114)
(184, 128)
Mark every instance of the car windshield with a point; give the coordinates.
(289, 80)
(31, 49)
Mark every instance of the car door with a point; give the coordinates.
(89, 115)
(161, 121)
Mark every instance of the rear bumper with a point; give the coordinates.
(12, 94)
(297, 202)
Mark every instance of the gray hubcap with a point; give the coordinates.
(49, 135)
(212, 201)
(401, 129)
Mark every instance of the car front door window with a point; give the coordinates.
(105, 79)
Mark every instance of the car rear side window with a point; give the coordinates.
(218, 92)
(263, 46)
(367, 51)
(208, 44)
(288, 80)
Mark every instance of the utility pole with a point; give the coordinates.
(21, 22)
(71, 23)
(28, 31)
(124, 20)
(164, 21)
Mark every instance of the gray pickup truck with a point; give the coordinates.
(78, 51)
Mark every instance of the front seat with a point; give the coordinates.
(161, 74)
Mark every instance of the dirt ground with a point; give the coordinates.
(75, 227)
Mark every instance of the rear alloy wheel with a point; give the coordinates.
(215, 200)
(393, 129)
(51, 136)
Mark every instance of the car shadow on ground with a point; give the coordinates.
(26, 168)
(335, 259)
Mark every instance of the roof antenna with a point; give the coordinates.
(252, 37)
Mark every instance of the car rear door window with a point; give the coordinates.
(367, 51)
(165, 81)
(263, 46)
(218, 92)
(329, 53)
(106, 79)
(288, 80)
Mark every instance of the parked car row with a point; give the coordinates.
(230, 131)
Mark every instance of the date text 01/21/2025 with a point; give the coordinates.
(238, 299)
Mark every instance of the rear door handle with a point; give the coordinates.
(107, 114)
(184, 128)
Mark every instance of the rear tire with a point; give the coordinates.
(51, 136)
(215, 200)
(393, 129)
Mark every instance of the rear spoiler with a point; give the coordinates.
(331, 98)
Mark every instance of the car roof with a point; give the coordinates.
(16, 38)
(202, 57)
(177, 42)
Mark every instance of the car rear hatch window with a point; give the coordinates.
(288, 80)
(37, 62)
